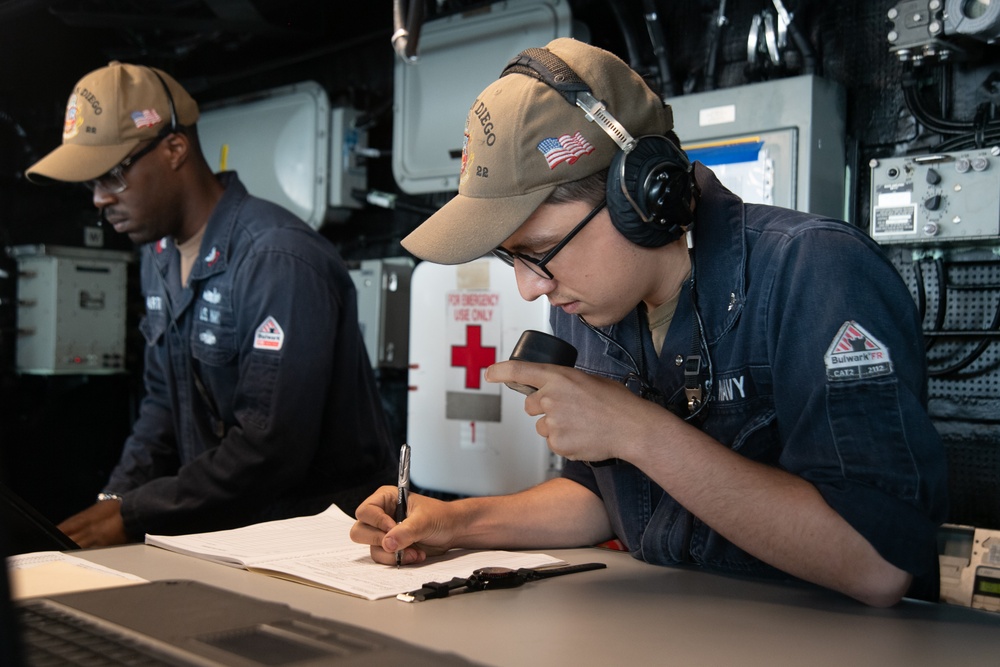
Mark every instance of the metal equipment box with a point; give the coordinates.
(278, 142)
(383, 287)
(937, 198)
(71, 310)
(458, 56)
(776, 142)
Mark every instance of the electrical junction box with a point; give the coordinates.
(278, 141)
(776, 142)
(937, 198)
(469, 436)
(348, 171)
(970, 566)
(383, 287)
(71, 310)
(457, 57)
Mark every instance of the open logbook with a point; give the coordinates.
(317, 550)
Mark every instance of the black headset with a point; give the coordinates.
(650, 181)
(174, 126)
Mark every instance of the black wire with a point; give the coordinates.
(972, 356)
(942, 304)
(631, 43)
(977, 133)
(715, 30)
(810, 64)
(659, 43)
(981, 122)
(939, 328)
(918, 278)
(988, 137)
(915, 104)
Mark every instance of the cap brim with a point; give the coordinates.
(467, 228)
(75, 163)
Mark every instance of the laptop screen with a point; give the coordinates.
(26, 529)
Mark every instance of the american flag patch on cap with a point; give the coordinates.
(146, 118)
(566, 148)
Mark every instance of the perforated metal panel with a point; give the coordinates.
(958, 291)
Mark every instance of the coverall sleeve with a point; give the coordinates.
(287, 312)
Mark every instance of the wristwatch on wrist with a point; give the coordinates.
(102, 496)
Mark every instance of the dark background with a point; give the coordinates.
(60, 435)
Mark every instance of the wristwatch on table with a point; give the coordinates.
(489, 578)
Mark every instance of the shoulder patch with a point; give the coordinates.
(269, 335)
(855, 354)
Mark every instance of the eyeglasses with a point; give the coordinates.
(538, 266)
(114, 180)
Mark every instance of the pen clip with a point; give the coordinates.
(402, 490)
(403, 479)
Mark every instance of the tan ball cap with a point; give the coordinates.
(522, 139)
(110, 111)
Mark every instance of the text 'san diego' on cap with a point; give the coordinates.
(522, 140)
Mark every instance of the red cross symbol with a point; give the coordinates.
(473, 356)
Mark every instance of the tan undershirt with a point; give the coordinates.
(659, 321)
(189, 253)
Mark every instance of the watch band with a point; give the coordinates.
(102, 496)
(546, 572)
(433, 590)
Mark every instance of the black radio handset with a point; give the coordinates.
(543, 348)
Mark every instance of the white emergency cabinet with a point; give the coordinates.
(469, 436)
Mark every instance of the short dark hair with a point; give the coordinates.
(590, 190)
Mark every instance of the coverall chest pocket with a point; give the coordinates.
(213, 331)
(215, 346)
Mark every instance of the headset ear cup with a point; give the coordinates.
(623, 216)
(649, 192)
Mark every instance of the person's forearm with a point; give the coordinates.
(770, 513)
(558, 513)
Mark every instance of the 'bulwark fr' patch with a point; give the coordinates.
(855, 355)
(269, 335)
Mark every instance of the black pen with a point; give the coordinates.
(402, 490)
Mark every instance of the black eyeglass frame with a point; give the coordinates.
(118, 171)
(538, 266)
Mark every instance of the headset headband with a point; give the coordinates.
(547, 67)
(170, 101)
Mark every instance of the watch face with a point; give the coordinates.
(495, 577)
(488, 572)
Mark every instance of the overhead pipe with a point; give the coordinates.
(406, 23)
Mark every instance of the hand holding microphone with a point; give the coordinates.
(542, 348)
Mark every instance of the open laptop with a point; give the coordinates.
(181, 623)
(187, 623)
(26, 529)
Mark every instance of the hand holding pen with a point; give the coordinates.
(402, 490)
